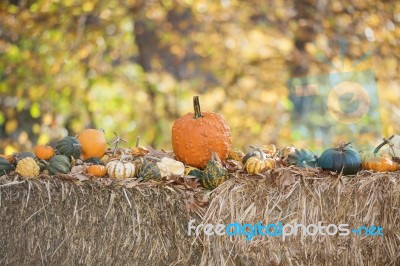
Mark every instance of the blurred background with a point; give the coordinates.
(133, 66)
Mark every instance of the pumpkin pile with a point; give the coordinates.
(201, 143)
(88, 153)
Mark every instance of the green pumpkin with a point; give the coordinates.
(59, 164)
(214, 174)
(94, 161)
(302, 158)
(255, 152)
(70, 147)
(22, 155)
(5, 166)
(343, 160)
(195, 172)
(149, 170)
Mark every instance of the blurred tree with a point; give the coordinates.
(133, 66)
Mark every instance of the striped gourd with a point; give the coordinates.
(214, 174)
(236, 154)
(255, 165)
(149, 170)
(119, 169)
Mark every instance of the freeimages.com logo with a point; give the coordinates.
(341, 106)
(249, 231)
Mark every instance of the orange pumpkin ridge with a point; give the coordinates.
(194, 135)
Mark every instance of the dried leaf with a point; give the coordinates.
(286, 179)
(139, 151)
(233, 166)
(79, 169)
(159, 154)
(81, 177)
(190, 204)
(191, 183)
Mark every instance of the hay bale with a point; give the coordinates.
(297, 195)
(56, 222)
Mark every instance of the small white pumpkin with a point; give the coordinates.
(170, 167)
(118, 169)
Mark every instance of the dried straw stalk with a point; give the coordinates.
(302, 196)
(55, 222)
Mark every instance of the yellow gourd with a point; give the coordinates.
(27, 167)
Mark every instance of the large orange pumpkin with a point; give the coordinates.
(93, 143)
(195, 135)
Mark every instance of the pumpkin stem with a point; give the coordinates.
(196, 106)
(344, 145)
(308, 148)
(385, 141)
(137, 141)
(116, 142)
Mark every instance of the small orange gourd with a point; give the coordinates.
(93, 143)
(96, 170)
(194, 135)
(380, 164)
(44, 152)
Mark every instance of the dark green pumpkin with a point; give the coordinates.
(302, 158)
(70, 147)
(149, 170)
(343, 160)
(22, 155)
(59, 164)
(5, 166)
(94, 161)
(255, 152)
(214, 174)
